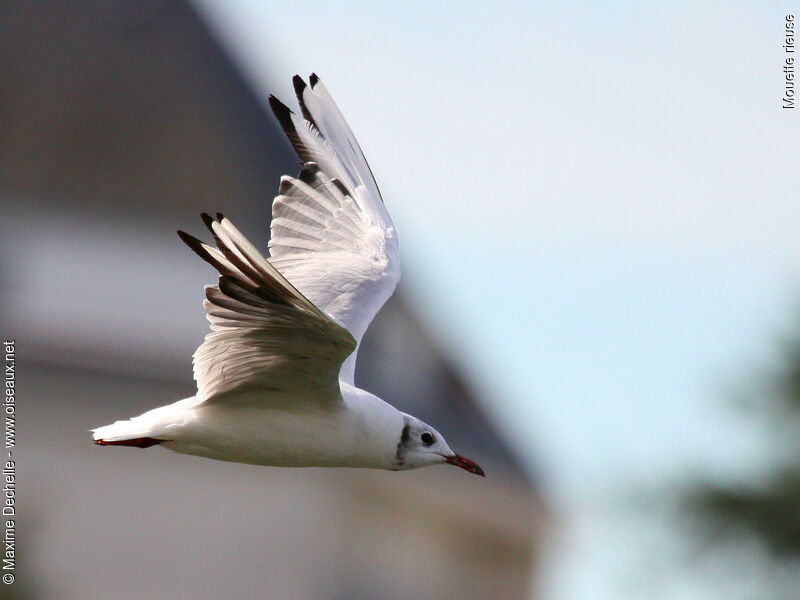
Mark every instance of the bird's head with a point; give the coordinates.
(420, 445)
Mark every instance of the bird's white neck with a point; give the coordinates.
(376, 424)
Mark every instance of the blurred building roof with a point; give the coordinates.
(130, 109)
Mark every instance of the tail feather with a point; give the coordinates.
(146, 430)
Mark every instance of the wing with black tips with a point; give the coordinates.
(331, 234)
(264, 333)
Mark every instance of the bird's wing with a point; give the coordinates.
(331, 235)
(264, 333)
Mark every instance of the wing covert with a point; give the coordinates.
(264, 332)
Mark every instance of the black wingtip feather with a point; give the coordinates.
(314, 80)
(282, 112)
(299, 88)
(299, 85)
(197, 246)
(207, 220)
(190, 240)
(220, 216)
(284, 116)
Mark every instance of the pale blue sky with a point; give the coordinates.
(597, 207)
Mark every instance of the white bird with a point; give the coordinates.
(275, 374)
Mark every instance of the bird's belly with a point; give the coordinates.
(311, 438)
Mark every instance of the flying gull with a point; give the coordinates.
(275, 374)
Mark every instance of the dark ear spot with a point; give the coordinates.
(402, 445)
(406, 434)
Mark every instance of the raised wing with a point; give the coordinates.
(331, 235)
(264, 333)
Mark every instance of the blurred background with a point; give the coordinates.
(597, 207)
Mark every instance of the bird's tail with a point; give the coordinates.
(125, 433)
(146, 430)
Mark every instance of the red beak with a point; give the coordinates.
(465, 464)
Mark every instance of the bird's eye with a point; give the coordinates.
(427, 438)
